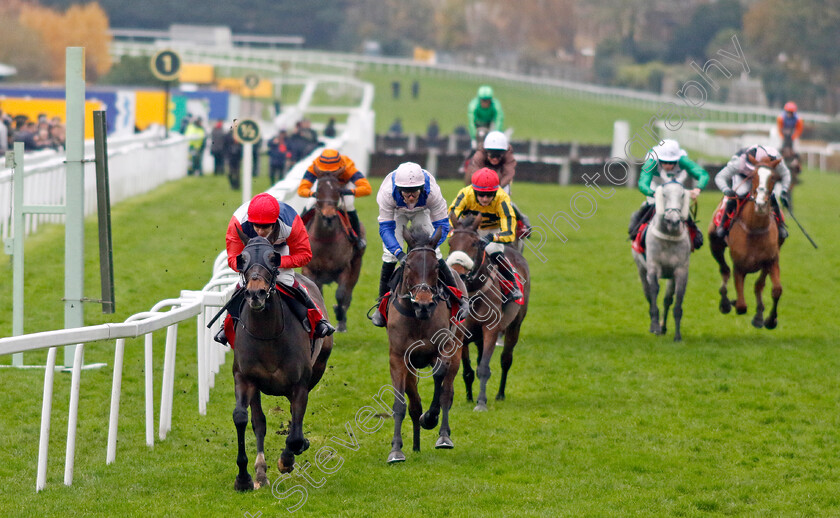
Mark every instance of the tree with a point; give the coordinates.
(19, 49)
(80, 26)
(691, 40)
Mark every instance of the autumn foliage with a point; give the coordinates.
(80, 26)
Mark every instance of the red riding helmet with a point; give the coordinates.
(263, 209)
(790, 106)
(485, 180)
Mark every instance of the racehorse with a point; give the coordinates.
(666, 255)
(271, 355)
(334, 256)
(793, 162)
(419, 336)
(753, 246)
(490, 314)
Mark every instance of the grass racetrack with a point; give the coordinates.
(601, 418)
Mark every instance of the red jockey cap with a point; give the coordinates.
(790, 106)
(485, 180)
(263, 209)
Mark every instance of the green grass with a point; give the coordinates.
(601, 419)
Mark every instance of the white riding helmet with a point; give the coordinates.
(668, 151)
(760, 153)
(496, 140)
(409, 174)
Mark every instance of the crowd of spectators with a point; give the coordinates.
(42, 133)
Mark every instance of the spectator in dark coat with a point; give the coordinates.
(278, 152)
(217, 148)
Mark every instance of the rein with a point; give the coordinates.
(411, 292)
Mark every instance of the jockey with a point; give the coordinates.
(789, 124)
(279, 223)
(332, 162)
(483, 111)
(484, 197)
(497, 154)
(409, 193)
(733, 181)
(667, 162)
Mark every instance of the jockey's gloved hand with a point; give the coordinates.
(400, 256)
(785, 199)
(486, 240)
(729, 193)
(346, 192)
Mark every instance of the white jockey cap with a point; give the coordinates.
(409, 174)
(668, 151)
(496, 140)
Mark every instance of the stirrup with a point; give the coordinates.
(377, 319)
(221, 337)
(323, 329)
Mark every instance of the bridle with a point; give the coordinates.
(414, 290)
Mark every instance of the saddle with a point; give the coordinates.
(638, 244)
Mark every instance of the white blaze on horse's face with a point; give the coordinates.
(762, 192)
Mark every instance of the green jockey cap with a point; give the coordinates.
(485, 92)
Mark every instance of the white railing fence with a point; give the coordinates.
(131, 165)
(136, 164)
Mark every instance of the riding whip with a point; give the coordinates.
(790, 211)
(233, 298)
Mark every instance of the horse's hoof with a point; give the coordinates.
(244, 484)
(771, 324)
(303, 447)
(444, 443)
(725, 307)
(481, 407)
(500, 397)
(342, 327)
(286, 465)
(758, 322)
(740, 311)
(428, 422)
(677, 337)
(396, 456)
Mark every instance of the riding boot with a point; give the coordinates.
(523, 218)
(234, 309)
(448, 279)
(384, 279)
(697, 241)
(360, 242)
(777, 213)
(731, 203)
(640, 216)
(509, 279)
(305, 306)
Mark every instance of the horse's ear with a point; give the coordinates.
(241, 261)
(318, 171)
(436, 237)
(409, 240)
(752, 159)
(774, 163)
(338, 172)
(242, 236)
(477, 221)
(452, 219)
(277, 257)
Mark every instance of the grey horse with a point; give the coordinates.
(667, 251)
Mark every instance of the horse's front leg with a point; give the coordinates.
(489, 335)
(680, 282)
(415, 409)
(399, 372)
(296, 443)
(775, 279)
(718, 247)
(244, 392)
(429, 419)
(740, 301)
(758, 319)
(343, 296)
(469, 373)
(653, 294)
(447, 395)
(667, 302)
(258, 424)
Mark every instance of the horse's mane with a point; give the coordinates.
(467, 220)
(419, 236)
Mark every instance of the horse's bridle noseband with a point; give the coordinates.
(414, 290)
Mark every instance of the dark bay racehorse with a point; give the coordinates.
(753, 243)
(334, 257)
(489, 314)
(419, 336)
(272, 355)
(667, 253)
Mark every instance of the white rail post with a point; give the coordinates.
(46, 410)
(167, 388)
(150, 411)
(73, 418)
(115, 401)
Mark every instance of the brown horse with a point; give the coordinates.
(334, 257)
(753, 242)
(490, 314)
(793, 162)
(271, 355)
(419, 336)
